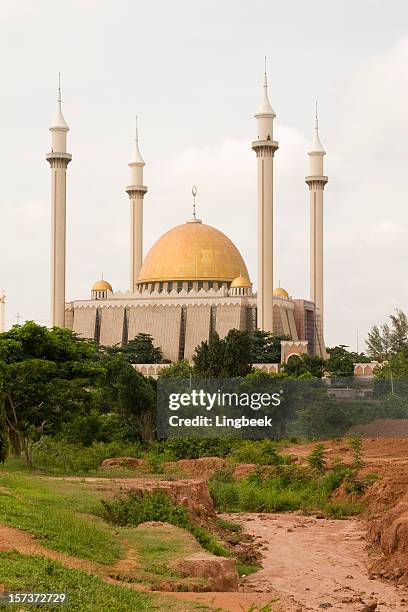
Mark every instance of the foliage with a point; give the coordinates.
(134, 509)
(388, 339)
(289, 488)
(317, 459)
(263, 452)
(341, 361)
(190, 448)
(127, 392)
(266, 348)
(61, 457)
(298, 366)
(224, 358)
(46, 377)
(139, 350)
(4, 437)
(356, 444)
(180, 369)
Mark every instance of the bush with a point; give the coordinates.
(317, 459)
(58, 456)
(190, 448)
(156, 506)
(253, 451)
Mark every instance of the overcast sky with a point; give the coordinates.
(192, 71)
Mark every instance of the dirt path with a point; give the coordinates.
(321, 563)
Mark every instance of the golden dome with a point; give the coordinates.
(280, 292)
(192, 251)
(102, 285)
(241, 281)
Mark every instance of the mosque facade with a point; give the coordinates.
(193, 281)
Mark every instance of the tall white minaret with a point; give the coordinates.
(136, 191)
(265, 147)
(58, 159)
(316, 182)
(2, 312)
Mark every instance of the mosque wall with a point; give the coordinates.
(162, 322)
(85, 322)
(111, 326)
(69, 319)
(230, 317)
(197, 328)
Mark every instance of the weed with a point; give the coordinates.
(317, 459)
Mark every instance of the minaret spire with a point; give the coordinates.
(317, 182)
(58, 159)
(265, 147)
(136, 191)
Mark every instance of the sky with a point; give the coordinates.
(192, 72)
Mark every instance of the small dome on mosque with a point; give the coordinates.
(241, 282)
(102, 285)
(280, 292)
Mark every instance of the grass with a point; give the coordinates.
(161, 544)
(133, 509)
(52, 512)
(286, 488)
(247, 570)
(85, 593)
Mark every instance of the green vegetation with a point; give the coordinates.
(134, 509)
(139, 350)
(317, 459)
(54, 512)
(85, 593)
(285, 487)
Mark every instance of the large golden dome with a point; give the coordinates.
(193, 251)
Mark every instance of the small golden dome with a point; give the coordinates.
(280, 292)
(102, 285)
(241, 282)
(193, 251)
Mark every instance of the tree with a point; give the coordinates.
(341, 361)
(129, 394)
(388, 339)
(224, 358)
(46, 376)
(139, 350)
(179, 369)
(304, 365)
(266, 348)
(4, 437)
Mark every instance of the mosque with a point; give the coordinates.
(193, 281)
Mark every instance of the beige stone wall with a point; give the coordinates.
(162, 322)
(84, 322)
(197, 328)
(69, 319)
(111, 330)
(229, 317)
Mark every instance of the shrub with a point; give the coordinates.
(317, 459)
(58, 456)
(253, 451)
(356, 444)
(156, 506)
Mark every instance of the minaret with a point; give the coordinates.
(2, 312)
(317, 181)
(136, 191)
(58, 159)
(265, 147)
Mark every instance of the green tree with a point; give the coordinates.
(139, 350)
(179, 369)
(304, 365)
(341, 361)
(4, 436)
(224, 358)
(388, 339)
(46, 377)
(266, 348)
(129, 394)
